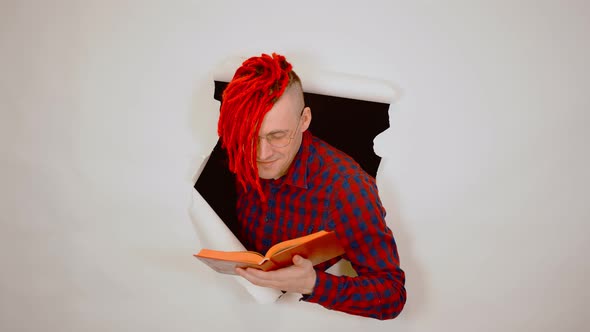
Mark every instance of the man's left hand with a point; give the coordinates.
(297, 278)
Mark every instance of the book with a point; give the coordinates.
(317, 247)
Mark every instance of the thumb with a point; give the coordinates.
(298, 260)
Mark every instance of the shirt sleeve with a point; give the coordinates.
(358, 219)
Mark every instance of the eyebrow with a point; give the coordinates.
(276, 132)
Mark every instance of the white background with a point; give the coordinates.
(107, 109)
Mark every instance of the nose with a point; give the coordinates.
(264, 149)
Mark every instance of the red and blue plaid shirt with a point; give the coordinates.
(324, 189)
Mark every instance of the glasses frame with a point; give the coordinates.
(265, 137)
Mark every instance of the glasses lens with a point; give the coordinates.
(278, 142)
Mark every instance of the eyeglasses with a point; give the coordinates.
(280, 139)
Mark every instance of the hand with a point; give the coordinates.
(298, 278)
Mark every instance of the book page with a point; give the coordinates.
(285, 245)
(246, 257)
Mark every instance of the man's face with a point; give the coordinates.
(285, 118)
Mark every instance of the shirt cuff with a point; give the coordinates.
(318, 294)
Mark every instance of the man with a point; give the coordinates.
(290, 184)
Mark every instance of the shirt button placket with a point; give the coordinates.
(271, 204)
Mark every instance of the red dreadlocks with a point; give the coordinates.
(252, 92)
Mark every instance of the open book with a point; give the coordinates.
(317, 247)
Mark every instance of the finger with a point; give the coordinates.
(239, 271)
(261, 278)
(301, 262)
(262, 275)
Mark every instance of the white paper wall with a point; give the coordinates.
(107, 109)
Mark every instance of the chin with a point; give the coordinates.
(268, 175)
(267, 172)
(265, 175)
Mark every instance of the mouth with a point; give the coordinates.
(265, 162)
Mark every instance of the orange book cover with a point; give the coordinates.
(317, 247)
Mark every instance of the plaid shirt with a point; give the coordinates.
(326, 189)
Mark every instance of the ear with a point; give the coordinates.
(306, 116)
